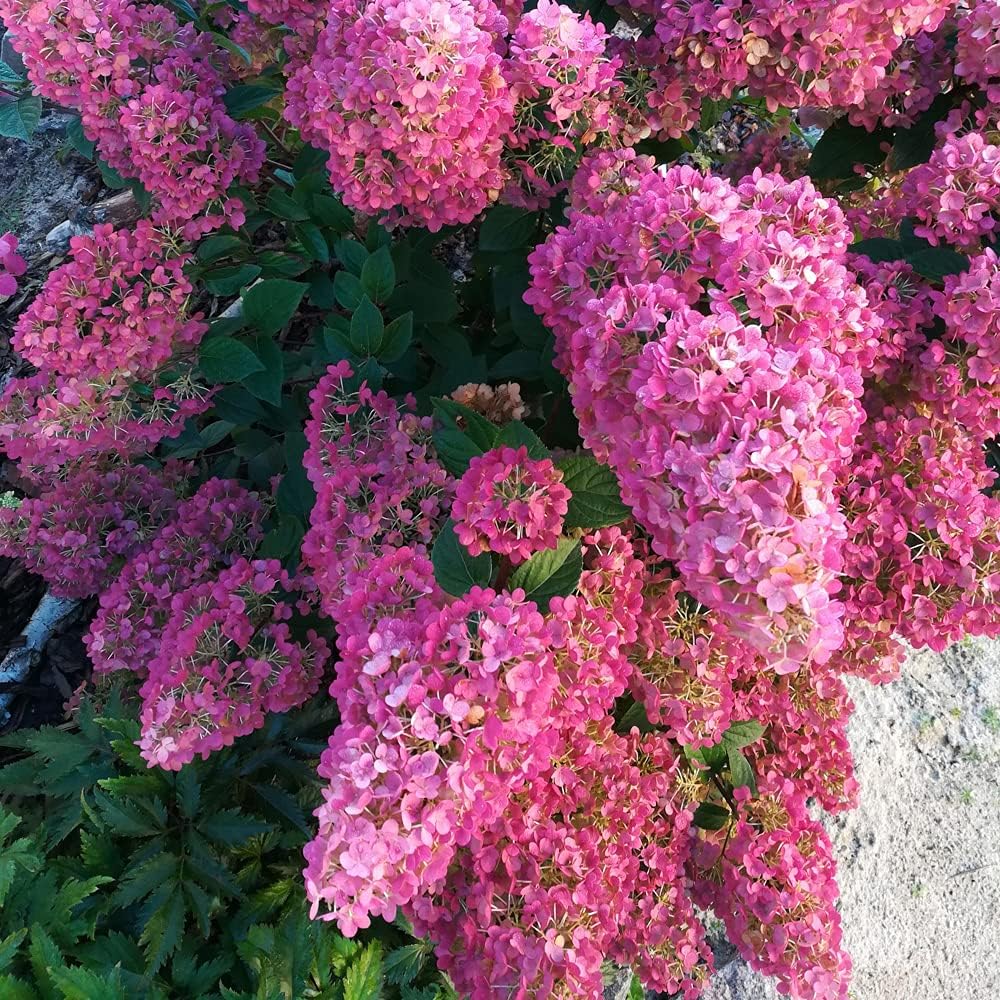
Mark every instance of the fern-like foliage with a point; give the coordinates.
(140, 884)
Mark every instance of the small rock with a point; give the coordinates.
(620, 984)
(57, 240)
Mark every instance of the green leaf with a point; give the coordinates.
(842, 146)
(915, 143)
(231, 46)
(295, 494)
(329, 212)
(20, 118)
(352, 255)
(365, 978)
(551, 573)
(231, 827)
(284, 206)
(9, 75)
(740, 772)
(270, 304)
(742, 734)
(220, 245)
(266, 384)
(237, 405)
(76, 138)
(396, 339)
(9, 946)
(378, 275)
(162, 933)
(709, 816)
(506, 228)
(635, 717)
(481, 431)
(403, 965)
(367, 328)
(519, 435)
(229, 280)
(455, 570)
(596, 500)
(246, 97)
(880, 249)
(936, 263)
(223, 359)
(187, 789)
(81, 984)
(348, 290)
(313, 242)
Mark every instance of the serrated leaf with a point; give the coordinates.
(140, 880)
(81, 984)
(378, 275)
(223, 360)
(596, 501)
(270, 304)
(231, 827)
(403, 965)
(162, 933)
(551, 573)
(365, 977)
(455, 570)
(187, 789)
(20, 118)
(9, 946)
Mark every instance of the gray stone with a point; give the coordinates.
(618, 986)
(57, 239)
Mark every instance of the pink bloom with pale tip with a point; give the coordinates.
(510, 504)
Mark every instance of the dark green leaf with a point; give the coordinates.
(365, 977)
(551, 573)
(348, 289)
(284, 206)
(506, 228)
(352, 255)
(237, 405)
(20, 118)
(454, 569)
(709, 816)
(937, 263)
(229, 280)
(596, 500)
(914, 144)
(843, 146)
(295, 494)
(378, 275)
(518, 435)
(246, 97)
(231, 827)
(313, 242)
(220, 245)
(403, 965)
(396, 339)
(266, 384)
(331, 213)
(367, 329)
(222, 360)
(76, 137)
(231, 46)
(742, 734)
(740, 772)
(880, 249)
(270, 304)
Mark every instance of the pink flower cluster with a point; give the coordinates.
(227, 656)
(408, 99)
(150, 95)
(510, 504)
(218, 524)
(714, 341)
(827, 54)
(120, 306)
(564, 90)
(956, 194)
(477, 785)
(12, 265)
(77, 533)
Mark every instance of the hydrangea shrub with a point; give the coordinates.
(445, 375)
